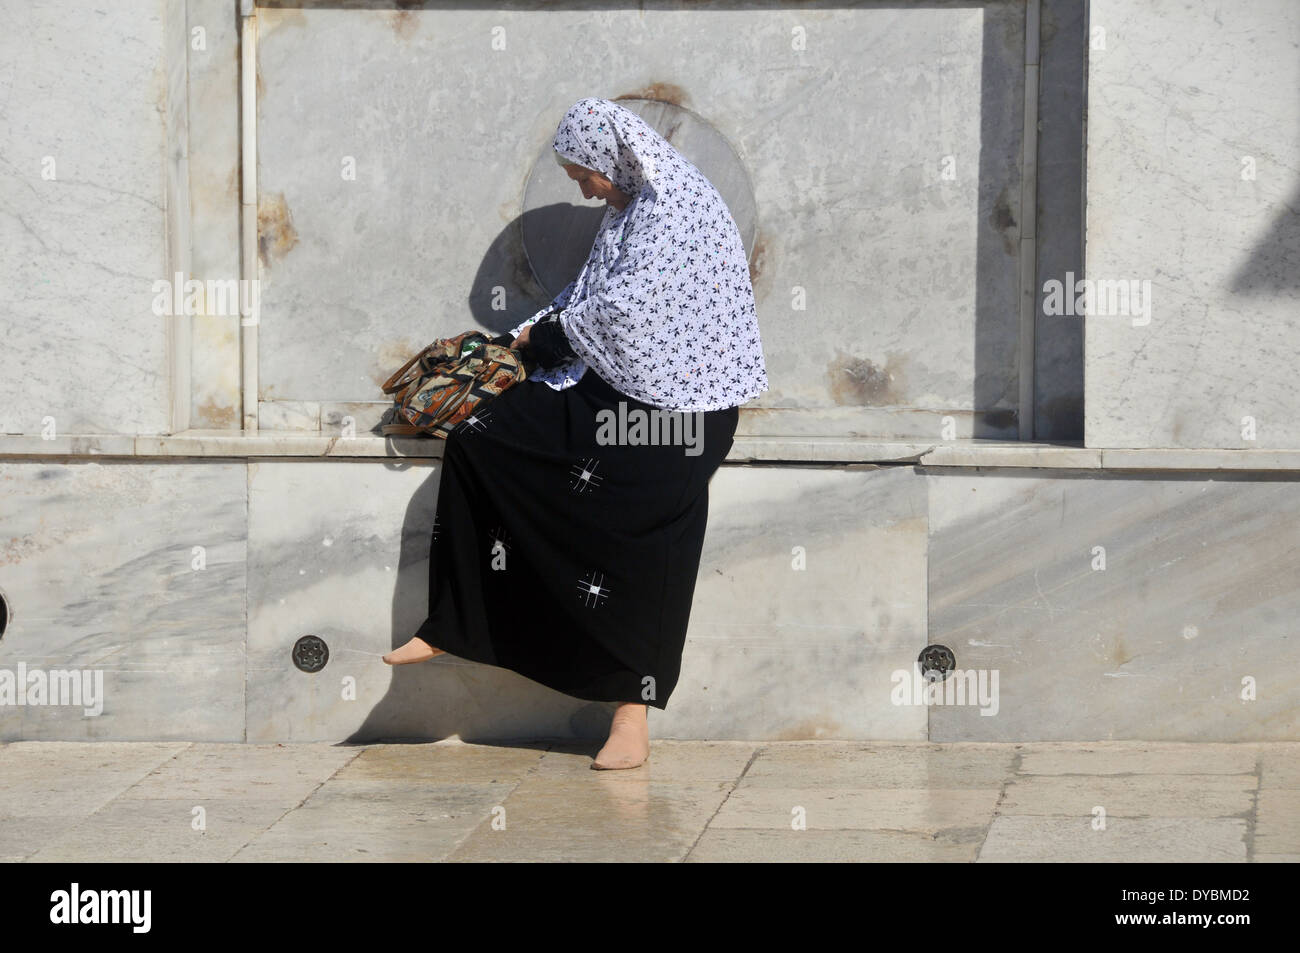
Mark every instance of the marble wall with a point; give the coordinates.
(1111, 605)
(1194, 193)
(883, 144)
(135, 571)
(887, 296)
(82, 144)
(811, 593)
(214, 172)
(1117, 607)
(794, 633)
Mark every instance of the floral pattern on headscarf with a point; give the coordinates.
(663, 308)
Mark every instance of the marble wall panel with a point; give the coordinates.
(1196, 594)
(811, 593)
(134, 570)
(1058, 341)
(213, 64)
(82, 141)
(340, 550)
(1193, 130)
(883, 143)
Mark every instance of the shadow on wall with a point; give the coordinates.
(505, 291)
(447, 696)
(1274, 263)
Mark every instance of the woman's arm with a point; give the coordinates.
(547, 343)
(601, 325)
(557, 305)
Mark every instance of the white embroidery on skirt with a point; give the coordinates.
(584, 475)
(476, 421)
(592, 592)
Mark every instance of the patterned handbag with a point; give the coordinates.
(435, 391)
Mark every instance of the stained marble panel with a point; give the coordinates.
(1193, 130)
(340, 550)
(82, 140)
(133, 570)
(213, 64)
(811, 593)
(883, 143)
(1117, 607)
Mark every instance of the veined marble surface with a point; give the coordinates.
(883, 144)
(340, 551)
(811, 592)
(97, 560)
(333, 442)
(214, 206)
(1193, 133)
(1197, 593)
(81, 218)
(136, 570)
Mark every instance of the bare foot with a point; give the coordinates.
(629, 740)
(416, 650)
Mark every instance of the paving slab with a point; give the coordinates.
(1124, 840)
(1136, 757)
(1188, 795)
(692, 801)
(152, 829)
(61, 779)
(365, 820)
(603, 818)
(685, 762)
(1277, 824)
(813, 846)
(1279, 766)
(444, 761)
(882, 765)
(919, 810)
(282, 773)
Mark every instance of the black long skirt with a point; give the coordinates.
(565, 546)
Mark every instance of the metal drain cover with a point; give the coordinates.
(936, 662)
(310, 653)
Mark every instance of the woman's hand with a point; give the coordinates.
(522, 340)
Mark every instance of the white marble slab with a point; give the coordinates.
(81, 218)
(775, 651)
(1196, 595)
(135, 570)
(1193, 130)
(909, 277)
(214, 206)
(340, 551)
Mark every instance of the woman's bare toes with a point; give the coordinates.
(629, 740)
(416, 650)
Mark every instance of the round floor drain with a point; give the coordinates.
(936, 662)
(310, 653)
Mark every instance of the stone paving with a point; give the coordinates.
(693, 801)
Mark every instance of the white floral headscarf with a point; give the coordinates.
(663, 308)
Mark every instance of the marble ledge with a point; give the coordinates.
(747, 449)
